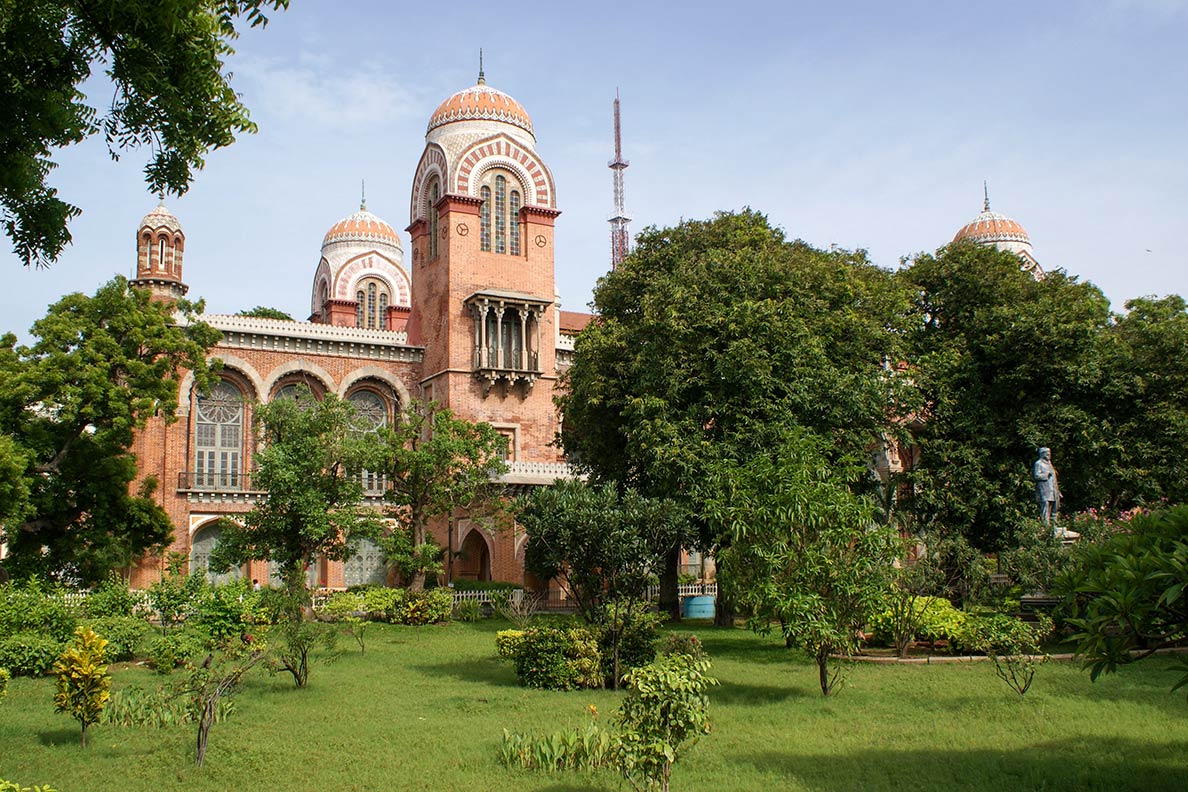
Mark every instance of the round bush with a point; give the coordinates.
(123, 634)
(556, 658)
(30, 608)
(111, 598)
(167, 652)
(29, 654)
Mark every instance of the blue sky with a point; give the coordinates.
(862, 124)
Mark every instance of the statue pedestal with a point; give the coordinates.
(1065, 536)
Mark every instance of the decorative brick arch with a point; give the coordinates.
(376, 373)
(236, 364)
(502, 151)
(321, 275)
(363, 266)
(433, 162)
(301, 367)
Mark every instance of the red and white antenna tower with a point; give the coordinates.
(620, 222)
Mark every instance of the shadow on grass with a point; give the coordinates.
(498, 673)
(63, 736)
(743, 695)
(1082, 764)
(576, 788)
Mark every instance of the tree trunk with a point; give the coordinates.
(84, 734)
(670, 600)
(823, 670)
(723, 607)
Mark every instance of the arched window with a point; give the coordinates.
(371, 414)
(372, 300)
(499, 215)
(201, 546)
(434, 195)
(161, 254)
(514, 223)
(324, 310)
(485, 219)
(366, 567)
(218, 438)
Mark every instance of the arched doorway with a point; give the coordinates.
(202, 544)
(474, 559)
(366, 566)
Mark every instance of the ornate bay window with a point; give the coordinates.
(507, 337)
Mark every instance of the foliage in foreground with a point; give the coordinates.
(663, 715)
(12, 786)
(1127, 592)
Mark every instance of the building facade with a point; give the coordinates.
(471, 322)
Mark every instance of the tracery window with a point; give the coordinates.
(218, 438)
(371, 308)
(371, 415)
(499, 214)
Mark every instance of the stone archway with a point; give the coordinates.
(474, 558)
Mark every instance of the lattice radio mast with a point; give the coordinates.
(620, 222)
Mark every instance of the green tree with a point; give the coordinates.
(165, 60)
(84, 686)
(436, 464)
(1126, 593)
(1004, 364)
(70, 404)
(263, 312)
(805, 551)
(1143, 406)
(310, 467)
(714, 334)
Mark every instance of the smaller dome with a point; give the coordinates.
(362, 226)
(990, 228)
(160, 218)
(481, 102)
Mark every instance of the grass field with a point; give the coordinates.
(425, 709)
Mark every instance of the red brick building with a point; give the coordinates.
(472, 322)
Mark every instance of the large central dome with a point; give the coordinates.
(481, 102)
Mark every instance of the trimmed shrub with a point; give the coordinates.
(167, 652)
(33, 608)
(123, 635)
(384, 604)
(686, 644)
(557, 658)
(508, 643)
(4, 677)
(29, 654)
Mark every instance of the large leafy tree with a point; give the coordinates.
(1143, 406)
(712, 336)
(70, 404)
(166, 61)
(806, 551)
(436, 464)
(1004, 364)
(309, 465)
(602, 544)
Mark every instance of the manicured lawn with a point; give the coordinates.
(425, 710)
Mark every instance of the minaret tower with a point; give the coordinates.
(620, 222)
(160, 244)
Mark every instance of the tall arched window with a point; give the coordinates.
(499, 215)
(485, 219)
(434, 195)
(371, 310)
(371, 414)
(325, 301)
(218, 438)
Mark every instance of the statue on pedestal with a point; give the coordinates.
(1047, 488)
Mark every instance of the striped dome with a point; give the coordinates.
(990, 228)
(160, 218)
(362, 226)
(481, 102)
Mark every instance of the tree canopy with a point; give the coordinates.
(435, 464)
(166, 61)
(1004, 364)
(309, 465)
(69, 406)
